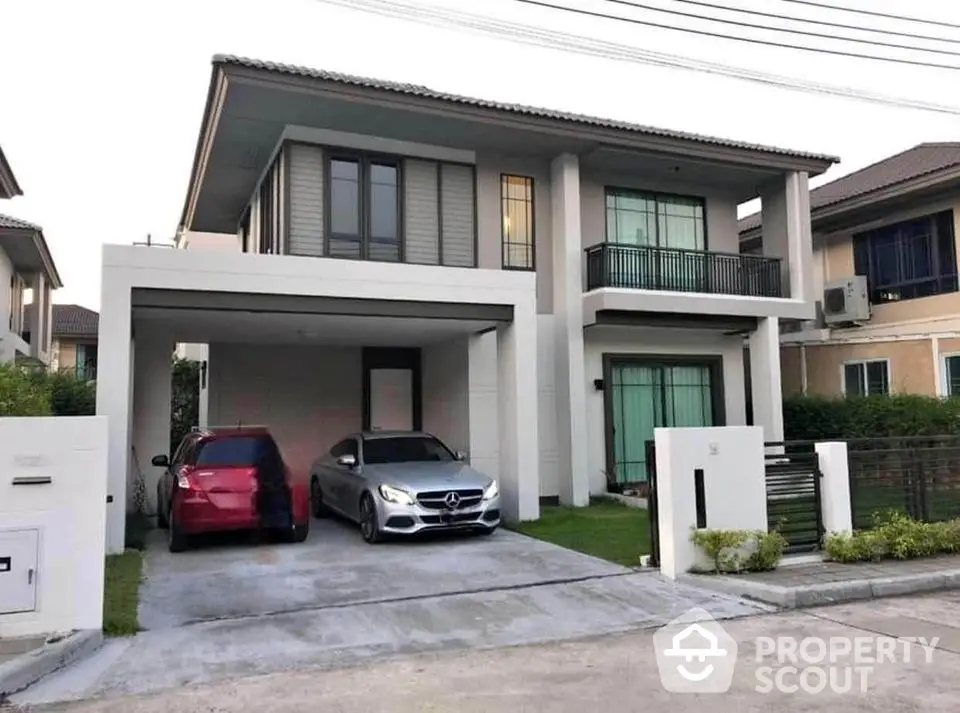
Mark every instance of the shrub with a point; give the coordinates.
(895, 536)
(185, 405)
(71, 395)
(818, 418)
(22, 392)
(735, 551)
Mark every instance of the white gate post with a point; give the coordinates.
(835, 487)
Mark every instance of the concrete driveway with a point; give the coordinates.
(235, 610)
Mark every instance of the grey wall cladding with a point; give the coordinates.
(306, 199)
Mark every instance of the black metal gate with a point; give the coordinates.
(652, 512)
(918, 476)
(793, 495)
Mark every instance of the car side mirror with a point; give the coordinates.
(347, 461)
(460, 455)
(160, 461)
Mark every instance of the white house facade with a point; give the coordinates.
(538, 289)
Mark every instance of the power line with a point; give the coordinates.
(873, 13)
(786, 30)
(538, 37)
(822, 23)
(751, 40)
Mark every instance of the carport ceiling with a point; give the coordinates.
(215, 326)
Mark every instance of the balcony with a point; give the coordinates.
(677, 270)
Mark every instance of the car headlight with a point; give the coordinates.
(395, 495)
(491, 492)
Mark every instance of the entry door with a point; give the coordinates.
(648, 396)
(391, 399)
(18, 571)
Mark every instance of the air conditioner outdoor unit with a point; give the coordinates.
(846, 301)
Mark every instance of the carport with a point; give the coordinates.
(315, 349)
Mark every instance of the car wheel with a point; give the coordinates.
(177, 541)
(316, 500)
(299, 532)
(369, 524)
(162, 522)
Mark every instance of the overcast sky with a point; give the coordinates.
(101, 100)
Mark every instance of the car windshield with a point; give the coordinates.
(233, 451)
(404, 449)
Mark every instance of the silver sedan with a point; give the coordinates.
(402, 482)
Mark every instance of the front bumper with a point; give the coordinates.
(411, 519)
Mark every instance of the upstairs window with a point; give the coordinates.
(907, 260)
(866, 378)
(516, 208)
(363, 196)
(655, 220)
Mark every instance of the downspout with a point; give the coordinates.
(938, 389)
(803, 369)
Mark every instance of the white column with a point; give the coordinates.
(570, 375)
(35, 317)
(483, 407)
(153, 362)
(517, 411)
(785, 217)
(765, 384)
(835, 505)
(114, 392)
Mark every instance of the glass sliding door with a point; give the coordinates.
(663, 240)
(648, 395)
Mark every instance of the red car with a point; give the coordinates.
(229, 479)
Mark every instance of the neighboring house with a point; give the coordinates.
(896, 327)
(539, 289)
(75, 340)
(25, 265)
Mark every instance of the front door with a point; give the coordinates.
(391, 399)
(644, 395)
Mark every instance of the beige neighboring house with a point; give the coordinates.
(885, 267)
(75, 340)
(28, 276)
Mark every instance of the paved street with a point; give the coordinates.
(618, 671)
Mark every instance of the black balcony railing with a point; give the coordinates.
(677, 270)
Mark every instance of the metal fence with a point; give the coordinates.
(918, 476)
(793, 494)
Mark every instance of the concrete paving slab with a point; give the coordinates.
(335, 567)
(349, 635)
(25, 661)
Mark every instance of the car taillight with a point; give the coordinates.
(184, 481)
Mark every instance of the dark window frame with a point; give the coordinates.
(863, 377)
(656, 196)
(531, 204)
(947, 377)
(364, 161)
(941, 244)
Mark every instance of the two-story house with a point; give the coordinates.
(537, 288)
(27, 277)
(75, 345)
(885, 279)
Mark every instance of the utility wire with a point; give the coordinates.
(873, 13)
(591, 47)
(787, 30)
(751, 40)
(822, 23)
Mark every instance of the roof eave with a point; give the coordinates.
(40, 243)
(9, 187)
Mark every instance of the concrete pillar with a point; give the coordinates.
(114, 392)
(37, 323)
(570, 379)
(519, 472)
(483, 409)
(735, 489)
(152, 373)
(765, 383)
(835, 504)
(785, 217)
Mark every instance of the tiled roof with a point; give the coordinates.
(906, 166)
(74, 321)
(7, 221)
(425, 92)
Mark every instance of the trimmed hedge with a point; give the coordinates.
(33, 391)
(817, 418)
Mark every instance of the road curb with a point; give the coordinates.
(814, 595)
(30, 667)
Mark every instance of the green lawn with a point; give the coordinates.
(122, 594)
(604, 529)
